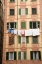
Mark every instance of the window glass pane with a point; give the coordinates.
(12, 11)
(34, 24)
(34, 11)
(12, 25)
(12, 0)
(11, 56)
(22, 11)
(35, 39)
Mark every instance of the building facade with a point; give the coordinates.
(22, 32)
(1, 32)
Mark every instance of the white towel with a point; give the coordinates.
(15, 31)
(36, 32)
(19, 32)
(28, 32)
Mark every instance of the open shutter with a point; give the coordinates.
(27, 39)
(39, 55)
(15, 56)
(19, 55)
(19, 39)
(24, 55)
(30, 25)
(31, 55)
(38, 23)
(7, 55)
(26, 11)
(19, 11)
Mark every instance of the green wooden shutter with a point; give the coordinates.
(38, 23)
(26, 11)
(25, 0)
(23, 25)
(27, 39)
(19, 11)
(7, 55)
(21, 0)
(31, 55)
(24, 55)
(31, 25)
(15, 24)
(39, 55)
(19, 39)
(15, 56)
(19, 55)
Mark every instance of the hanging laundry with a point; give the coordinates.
(9, 30)
(12, 31)
(28, 32)
(22, 32)
(15, 31)
(19, 32)
(36, 32)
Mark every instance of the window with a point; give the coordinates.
(34, 11)
(23, 0)
(21, 55)
(35, 55)
(11, 40)
(23, 11)
(35, 39)
(23, 39)
(34, 25)
(11, 25)
(33, 0)
(12, 11)
(10, 55)
(12, 0)
(23, 25)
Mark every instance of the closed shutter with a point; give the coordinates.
(31, 25)
(26, 11)
(31, 55)
(7, 55)
(38, 23)
(10, 40)
(27, 39)
(23, 25)
(19, 11)
(21, 0)
(19, 39)
(15, 56)
(19, 55)
(39, 54)
(24, 55)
